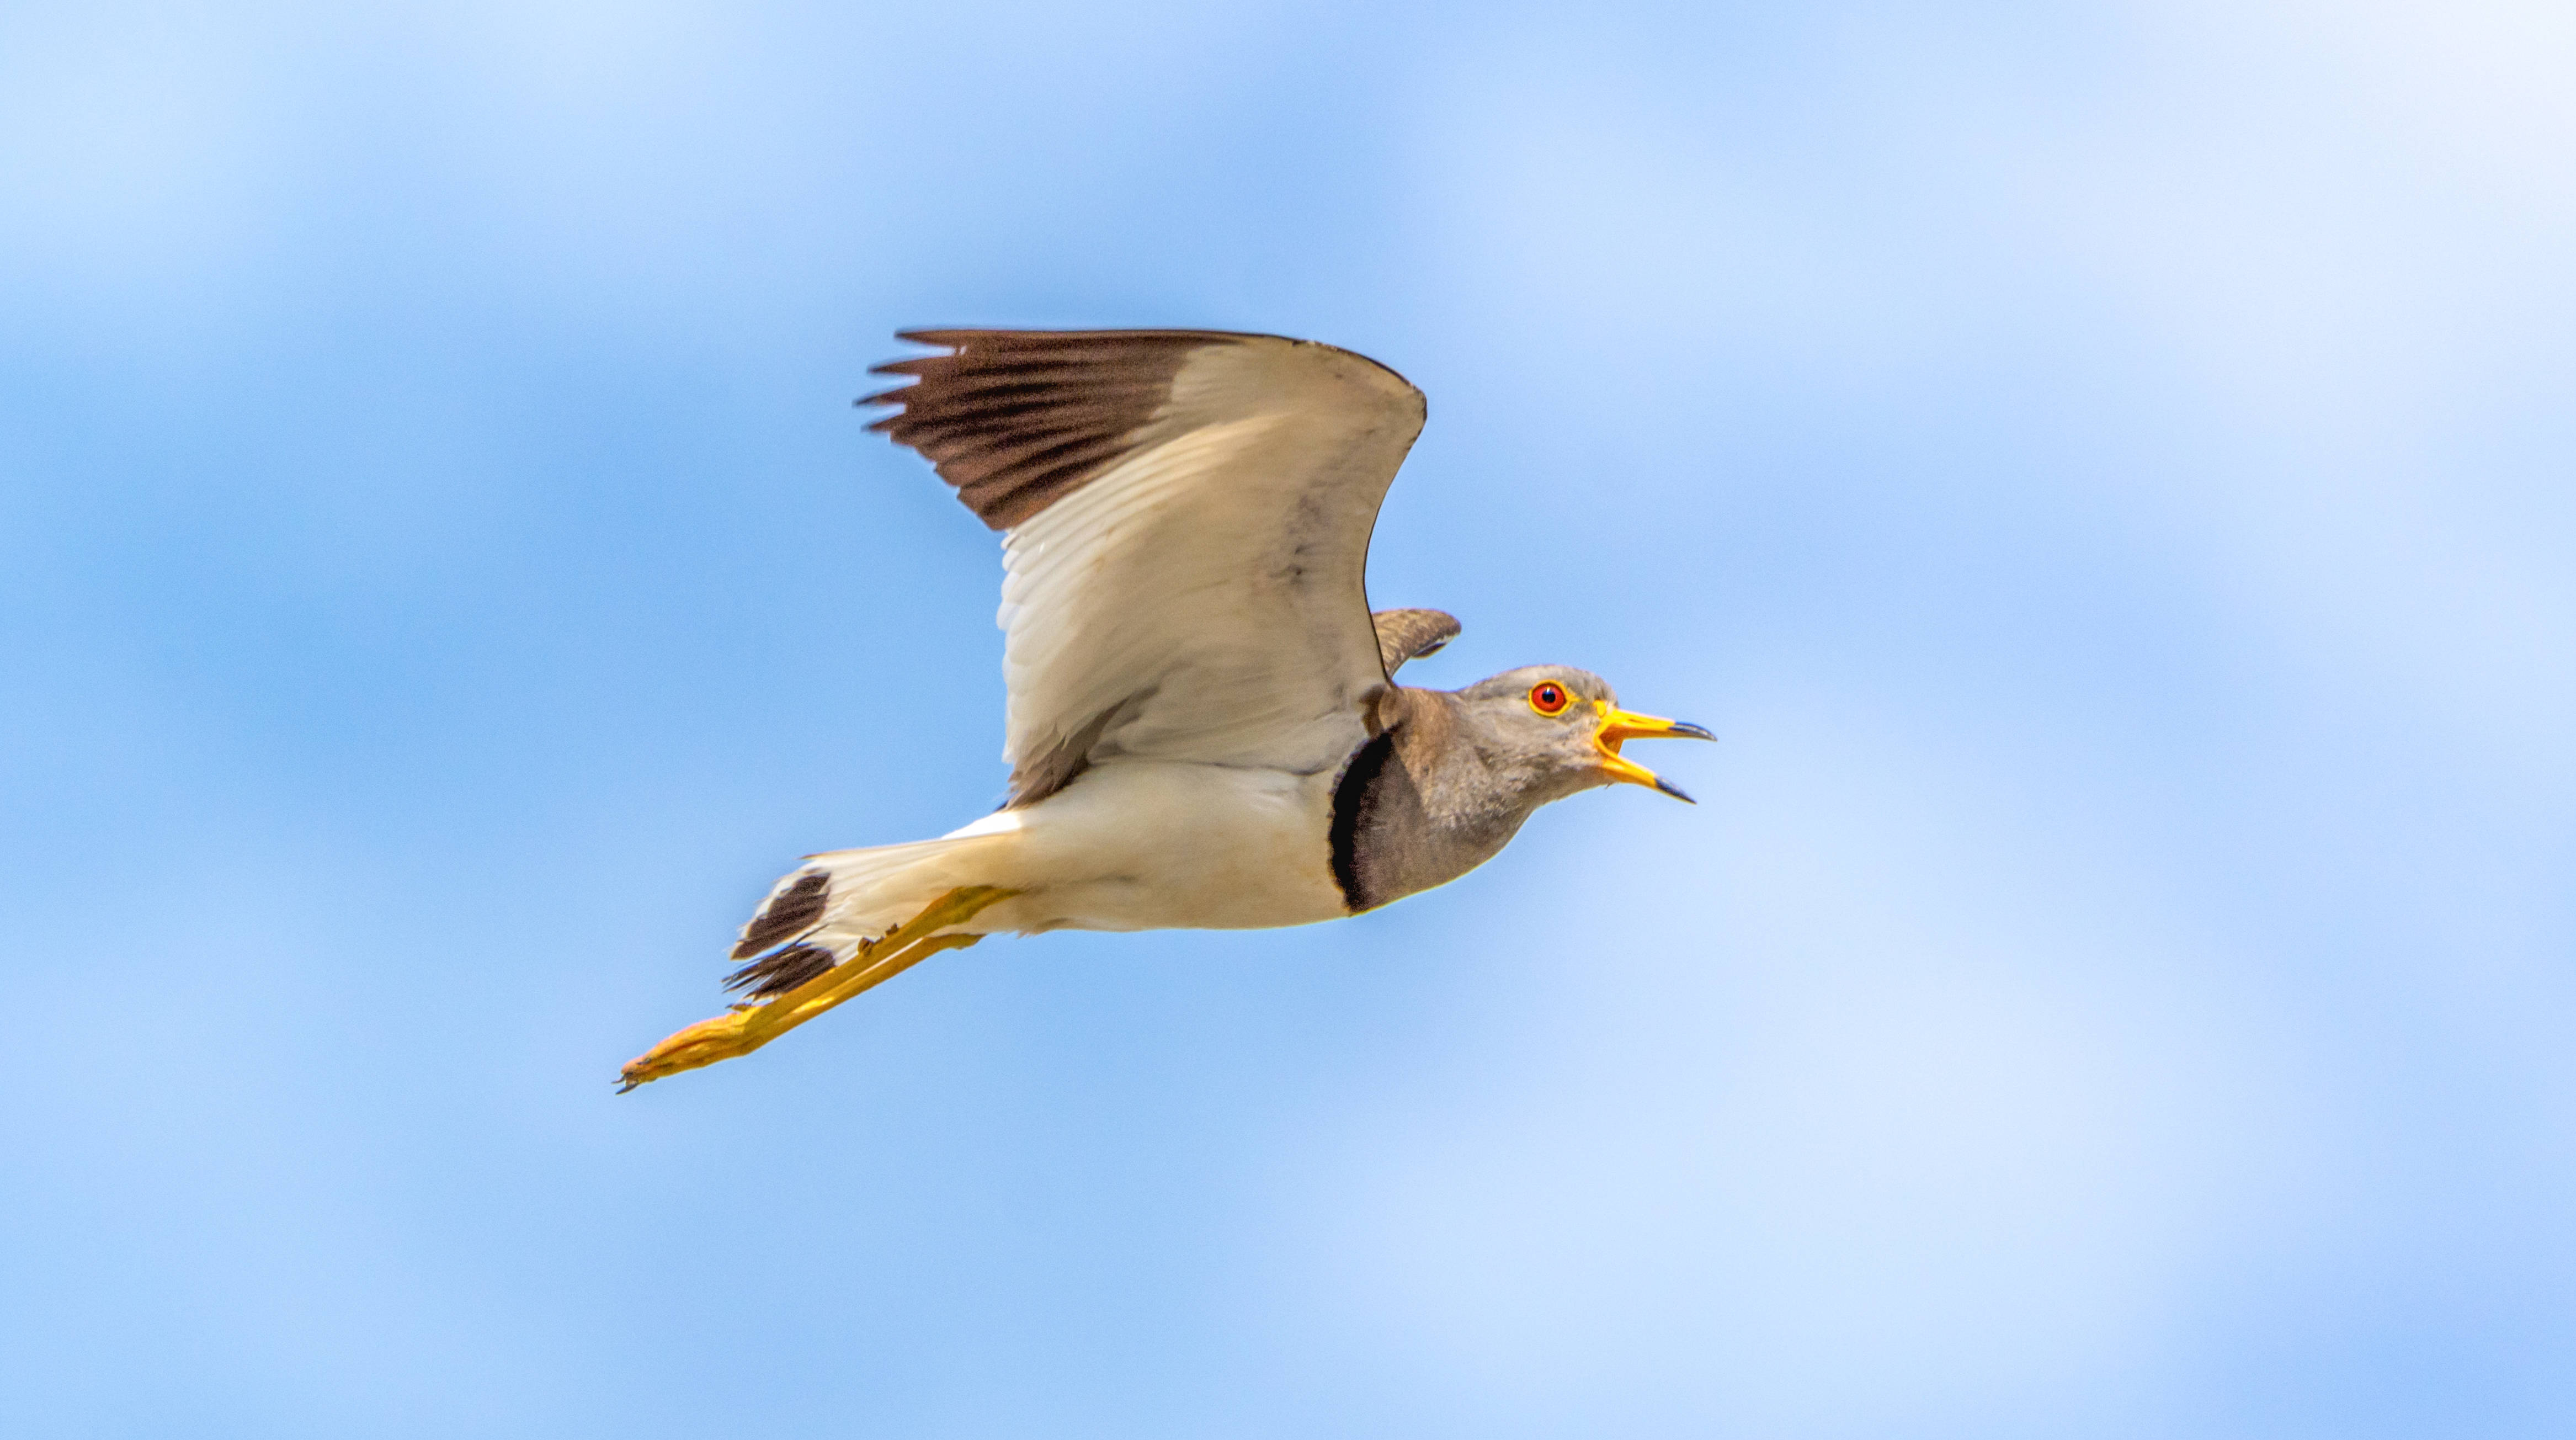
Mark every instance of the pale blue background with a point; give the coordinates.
(2108, 474)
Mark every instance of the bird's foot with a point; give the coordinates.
(747, 1028)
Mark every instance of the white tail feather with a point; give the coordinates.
(866, 893)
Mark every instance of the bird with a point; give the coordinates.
(1203, 722)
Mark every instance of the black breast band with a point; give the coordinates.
(1354, 796)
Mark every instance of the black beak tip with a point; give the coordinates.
(1684, 730)
(1673, 790)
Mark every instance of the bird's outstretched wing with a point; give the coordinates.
(1186, 518)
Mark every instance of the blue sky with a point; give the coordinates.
(2103, 472)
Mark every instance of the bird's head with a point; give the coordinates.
(1561, 728)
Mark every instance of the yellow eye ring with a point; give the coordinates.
(1549, 698)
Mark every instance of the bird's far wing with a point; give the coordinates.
(1186, 518)
(1411, 634)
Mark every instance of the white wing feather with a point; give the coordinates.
(1187, 519)
(1205, 598)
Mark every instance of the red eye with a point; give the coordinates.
(1549, 698)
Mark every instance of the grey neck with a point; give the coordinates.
(1430, 798)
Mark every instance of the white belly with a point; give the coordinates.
(1153, 845)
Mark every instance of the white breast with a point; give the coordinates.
(1151, 845)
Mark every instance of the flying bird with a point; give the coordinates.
(1204, 727)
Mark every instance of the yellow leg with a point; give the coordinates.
(751, 1026)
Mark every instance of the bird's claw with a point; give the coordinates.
(745, 1028)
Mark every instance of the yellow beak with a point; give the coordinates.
(1619, 726)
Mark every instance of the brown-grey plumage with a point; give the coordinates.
(791, 911)
(780, 971)
(1410, 634)
(1452, 774)
(1202, 720)
(1016, 419)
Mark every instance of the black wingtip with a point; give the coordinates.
(881, 399)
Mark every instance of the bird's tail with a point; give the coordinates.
(822, 912)
(838, 925)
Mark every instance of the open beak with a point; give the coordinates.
(1618, 726)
